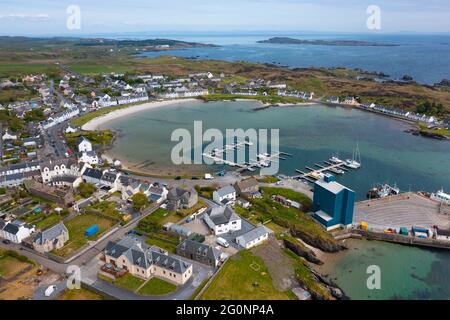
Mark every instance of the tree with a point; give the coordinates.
(140, 200)
(86, 189)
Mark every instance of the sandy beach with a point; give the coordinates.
(96, 122)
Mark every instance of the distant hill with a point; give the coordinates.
(356, 43)
(98, 42)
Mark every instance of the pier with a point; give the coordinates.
(316, 174)
(263, 160)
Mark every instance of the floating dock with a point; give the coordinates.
(262, 161)
(314, 174)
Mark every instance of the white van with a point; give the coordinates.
(49, 291)
(222, 242)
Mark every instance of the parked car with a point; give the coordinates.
(224, 243)
(6, 241)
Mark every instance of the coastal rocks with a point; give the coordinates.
(426, 134)
(332, 287)
(301, 251)
(318, 242)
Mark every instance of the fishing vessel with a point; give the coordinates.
(441, 196)
(383, 191)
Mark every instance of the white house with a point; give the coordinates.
(107, 101)
(61, 168)
(222, 220)
(16, 231)
(8, 136)
(254, 237)
(84, 145)
(225, 195)
(89, 157)
(70, 129)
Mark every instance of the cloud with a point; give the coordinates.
(28, 16)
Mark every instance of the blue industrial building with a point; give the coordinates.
(333, 203)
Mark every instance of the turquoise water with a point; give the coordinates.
(311, 133)
(420, 56)
(406, 272)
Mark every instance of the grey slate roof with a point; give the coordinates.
(254, 233)
(51, 164)
(197, 248)
(225, 190)
(222, 215)
(50, 234)
(109, 177)
(93, 173)
(144, 256)
(11, 228)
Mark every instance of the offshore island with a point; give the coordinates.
(68, 103)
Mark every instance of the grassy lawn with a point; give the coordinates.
(128, 281)
(77, 226)
(107, 208)
(187, 212)
(153, 221)
(48, 221)
(97, 137)
(157, 287)
(11, 265)
(264, 99)
(163, 241)
(79, 294)
(97, 113)
(244, 277)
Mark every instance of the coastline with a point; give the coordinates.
(93, 124)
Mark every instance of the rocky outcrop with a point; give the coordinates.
(327, 245)
(302, 251)
(332, 287)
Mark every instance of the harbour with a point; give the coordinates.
(413, 162)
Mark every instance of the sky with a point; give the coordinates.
(50, 17)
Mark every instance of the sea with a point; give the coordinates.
(424, 57)
(314, 133)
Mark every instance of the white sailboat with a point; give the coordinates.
(355, 162)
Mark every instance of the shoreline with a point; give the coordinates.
(93, 124)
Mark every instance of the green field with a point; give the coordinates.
(77, 227)
(12, 264)
(79, 295)
(163, 241)
(244, 277)
(80, 121)
(270, 99)
(157, 287)
(97, 137)
(128, 281)
(153, 221)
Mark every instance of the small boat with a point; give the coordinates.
(336, 170)
(353, 164)
(383, 191)
(441, 196)
(336, 160)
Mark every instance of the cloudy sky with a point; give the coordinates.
(49, 17)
